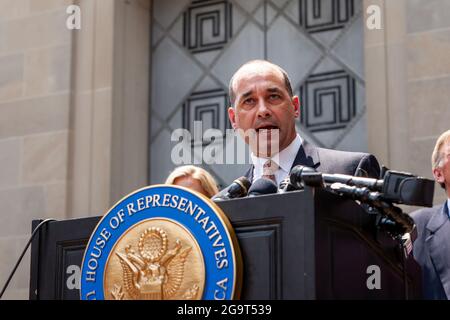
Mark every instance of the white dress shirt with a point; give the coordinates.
(285, 158)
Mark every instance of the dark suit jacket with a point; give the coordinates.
(331, 161)
(432, 250)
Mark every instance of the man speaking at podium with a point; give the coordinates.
(262, 102)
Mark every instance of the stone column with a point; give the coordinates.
(35, 61)
(109, 109)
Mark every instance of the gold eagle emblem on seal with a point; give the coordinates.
(152, 268)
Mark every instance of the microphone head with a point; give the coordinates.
(284, 183)
(301, 175)
(286, 186)
(239, 188)
(295, 176)
(262, 186)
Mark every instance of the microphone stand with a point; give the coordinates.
(390, 218)
(403, 223)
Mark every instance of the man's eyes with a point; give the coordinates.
(249, 101)
(271, 97)
(274, 96)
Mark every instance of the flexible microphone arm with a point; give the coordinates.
(396, 187)
(306, 175)
(404, 223)
(365, 190)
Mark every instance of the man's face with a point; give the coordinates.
(262, 103)
(442, 172)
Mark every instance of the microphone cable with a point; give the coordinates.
(33, 234)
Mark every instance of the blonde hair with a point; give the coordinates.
(206, 180)
(436, 157)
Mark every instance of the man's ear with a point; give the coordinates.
(296, 103)
(232, 117)
(438, 175)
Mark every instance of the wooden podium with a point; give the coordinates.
(298, 245)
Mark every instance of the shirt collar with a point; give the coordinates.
(285, 158)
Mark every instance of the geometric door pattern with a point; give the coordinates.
(197, 46)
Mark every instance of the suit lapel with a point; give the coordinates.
(307, 155)
(438, 243)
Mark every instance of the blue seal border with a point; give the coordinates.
(231, 241)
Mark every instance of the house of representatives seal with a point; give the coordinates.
(162, 242)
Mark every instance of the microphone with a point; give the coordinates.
(396, 186)
(306, 175)
(261, 187)
(301, 175)
(286, 186)
(238, 189)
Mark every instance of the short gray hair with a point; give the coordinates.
(436, 157)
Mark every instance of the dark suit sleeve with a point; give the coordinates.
(369, 167)
(426, 243)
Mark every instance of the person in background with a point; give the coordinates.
(431, 249)
(194, 178)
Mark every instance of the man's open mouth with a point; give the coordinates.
(267, 128)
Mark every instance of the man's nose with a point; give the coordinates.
(263, 110)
